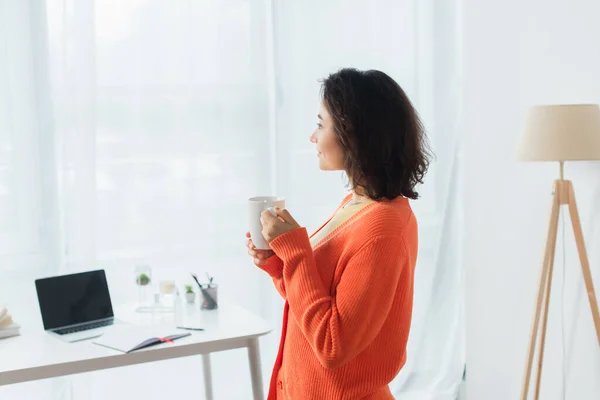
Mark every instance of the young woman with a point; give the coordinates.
(348, 288)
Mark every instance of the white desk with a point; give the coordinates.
(36, 355)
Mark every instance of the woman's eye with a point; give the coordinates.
(319, 125)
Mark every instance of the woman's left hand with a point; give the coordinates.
(273, 227)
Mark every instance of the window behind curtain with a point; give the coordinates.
(19, 167)
(165, 120)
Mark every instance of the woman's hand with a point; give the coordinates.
(275, 226)
(259, 256)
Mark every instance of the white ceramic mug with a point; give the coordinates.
(256, 205)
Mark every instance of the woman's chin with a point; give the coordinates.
(323, 166)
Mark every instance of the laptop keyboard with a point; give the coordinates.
(84, 327)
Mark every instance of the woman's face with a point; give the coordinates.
(329, 150)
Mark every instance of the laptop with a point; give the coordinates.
(75, 307)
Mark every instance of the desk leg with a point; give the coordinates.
(255, 369)
(208, 388)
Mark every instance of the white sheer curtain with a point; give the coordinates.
(436, 349)
(133, 131)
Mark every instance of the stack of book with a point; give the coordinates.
(8, 327)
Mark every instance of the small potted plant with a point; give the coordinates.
(142, 279)
(190, 296)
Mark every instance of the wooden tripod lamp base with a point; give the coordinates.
(563, 194)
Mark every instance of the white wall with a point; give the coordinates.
(517, 53)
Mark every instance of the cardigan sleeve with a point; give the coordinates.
(274, 267)
(340, 325)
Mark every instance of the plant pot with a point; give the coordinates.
(144, 295)
(190, 297)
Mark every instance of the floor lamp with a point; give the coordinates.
(559, 133)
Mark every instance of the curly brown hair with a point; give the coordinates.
(385, 145)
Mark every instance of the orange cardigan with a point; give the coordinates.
(348, 305)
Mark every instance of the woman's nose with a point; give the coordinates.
(313, 138)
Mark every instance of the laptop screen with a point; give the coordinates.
(72, 299)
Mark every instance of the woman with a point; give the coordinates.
(348, 288)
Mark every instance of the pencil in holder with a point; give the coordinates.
(209, 295)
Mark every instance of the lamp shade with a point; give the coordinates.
(561, 133)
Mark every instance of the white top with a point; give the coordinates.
(38, 355)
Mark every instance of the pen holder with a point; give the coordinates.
(209, 295)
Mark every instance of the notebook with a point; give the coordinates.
(131, 338)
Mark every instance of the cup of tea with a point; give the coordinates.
(256, 206)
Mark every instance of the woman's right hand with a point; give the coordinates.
(259, 256)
